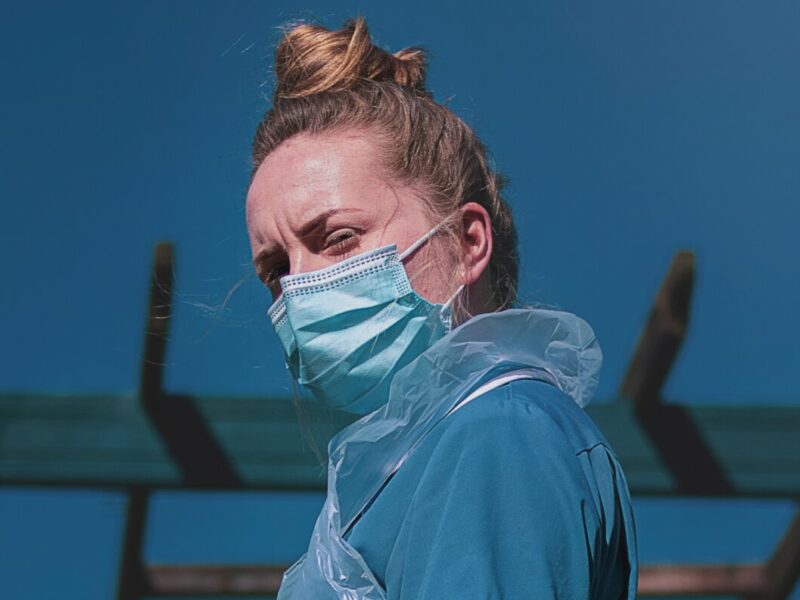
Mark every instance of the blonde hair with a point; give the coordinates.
(330, 80)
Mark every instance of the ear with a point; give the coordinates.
(476, 241)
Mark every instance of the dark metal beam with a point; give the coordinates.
(662, 336)
(157, 326)
(783, 569)
(131, 583)
(683, 451)
(677, 440)
(182, 427)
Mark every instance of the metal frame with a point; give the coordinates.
(665, 449)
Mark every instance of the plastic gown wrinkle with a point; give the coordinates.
(559, 345)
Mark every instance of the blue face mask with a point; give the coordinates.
(348, 328)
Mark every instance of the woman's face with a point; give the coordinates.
(318, 199)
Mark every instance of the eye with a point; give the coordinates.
(271, 276)
(341, 241)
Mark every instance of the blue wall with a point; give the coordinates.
(629, 130)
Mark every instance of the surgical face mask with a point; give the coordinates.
(348, 328)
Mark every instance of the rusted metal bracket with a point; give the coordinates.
(215, 580)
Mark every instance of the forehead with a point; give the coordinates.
(308, 174)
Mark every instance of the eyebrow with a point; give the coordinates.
(304, 231)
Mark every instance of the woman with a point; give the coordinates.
(378, 224)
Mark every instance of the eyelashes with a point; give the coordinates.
(341, 241)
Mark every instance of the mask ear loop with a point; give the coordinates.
(447, 309)
(421, 241)
(447, 305)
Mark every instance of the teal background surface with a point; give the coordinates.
(629, 131)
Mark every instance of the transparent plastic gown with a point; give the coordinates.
(559, 345)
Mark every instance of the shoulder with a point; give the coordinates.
(522, 473)
(501, 480)
(534, 413)
(528, 436)
(523, 438)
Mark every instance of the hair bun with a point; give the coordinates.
(312, 59)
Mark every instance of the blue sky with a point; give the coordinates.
(628, 130)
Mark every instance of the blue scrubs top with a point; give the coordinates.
(515, 495)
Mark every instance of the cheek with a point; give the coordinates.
(434, 276)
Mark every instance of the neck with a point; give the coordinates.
(475, 299)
